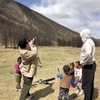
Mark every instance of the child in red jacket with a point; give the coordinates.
(18, 74)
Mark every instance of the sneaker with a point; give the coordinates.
(30, 96)
(76, 91)
(19, 90)
(81, 92)
(16, 89)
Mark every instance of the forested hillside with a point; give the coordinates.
(17, 21)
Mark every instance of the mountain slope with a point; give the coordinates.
(13, 26)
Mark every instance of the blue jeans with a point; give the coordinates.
(63, 92)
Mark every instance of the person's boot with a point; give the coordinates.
(66, 99)
(29, 96)
(59, 99)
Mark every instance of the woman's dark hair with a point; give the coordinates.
(66, 69)
(22, 43)
(78, 62)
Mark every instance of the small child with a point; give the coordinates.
(78, 77)
(65, 78)
(18, 75)
(72, 74)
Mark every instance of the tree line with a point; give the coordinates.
(12, 32)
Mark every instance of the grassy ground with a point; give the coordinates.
(51, 58)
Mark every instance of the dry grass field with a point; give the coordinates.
(51, 58)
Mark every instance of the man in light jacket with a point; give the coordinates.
(28, 67)
(88, 64)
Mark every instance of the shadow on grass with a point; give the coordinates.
(43, 92)
(96, 93)
(73, 96)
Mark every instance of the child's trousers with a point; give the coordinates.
(79, 87)
(18, 80)
(63, 92)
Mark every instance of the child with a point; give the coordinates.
(78, 76)
(65, 78)
(18, 74)
(72, 74)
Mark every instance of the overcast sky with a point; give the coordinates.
(73, 14)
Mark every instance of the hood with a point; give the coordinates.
(85, 34)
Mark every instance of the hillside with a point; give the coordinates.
(14, 26)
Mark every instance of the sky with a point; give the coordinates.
(73, 14)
